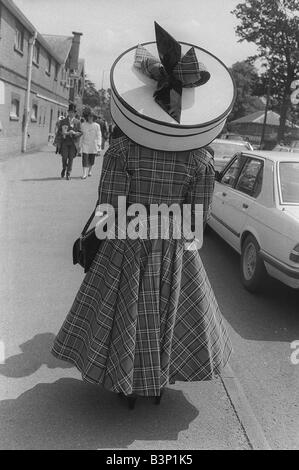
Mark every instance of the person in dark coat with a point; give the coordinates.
(69, 132)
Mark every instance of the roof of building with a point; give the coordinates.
(10, 5)
(61, 45)
(258, 118)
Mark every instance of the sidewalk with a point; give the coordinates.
(44, 404)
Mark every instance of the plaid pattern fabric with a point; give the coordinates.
(188, 70)
(191, 72)
(148, 176)
(145, 314)
(147, 63)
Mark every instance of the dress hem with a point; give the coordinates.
(216, 374)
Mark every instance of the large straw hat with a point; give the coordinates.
(171, 104)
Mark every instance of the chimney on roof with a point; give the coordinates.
(74, 54)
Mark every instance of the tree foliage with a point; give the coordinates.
(246, 79)
(91, 95)
(98, 100)
(273, 25)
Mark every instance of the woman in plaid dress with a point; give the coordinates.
(145, 315)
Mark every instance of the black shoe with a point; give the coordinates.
(131, 399)
(159, 398)
(63, 174)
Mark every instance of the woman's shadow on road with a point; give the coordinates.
(35, 353)
(72, 414)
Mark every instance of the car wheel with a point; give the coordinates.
(253, 271)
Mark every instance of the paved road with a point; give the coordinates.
(262, 328)
(44, 404)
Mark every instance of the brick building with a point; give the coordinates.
(39, 76)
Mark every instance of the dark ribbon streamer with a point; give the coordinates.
(172, 72)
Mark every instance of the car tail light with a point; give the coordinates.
(294, 256)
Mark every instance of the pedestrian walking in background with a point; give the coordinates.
(91, 142)
(110, 130)
(79, 152)
(145, 315)
(57, 139)
(69, 133)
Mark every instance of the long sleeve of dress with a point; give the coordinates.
(202, 186)
(114, 181)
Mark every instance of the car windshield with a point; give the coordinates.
(289, 182)
(228, 149)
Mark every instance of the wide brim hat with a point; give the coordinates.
(138, 112)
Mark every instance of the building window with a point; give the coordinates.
(56, 71)
(19, 38)
(36, 51)
(49, 63)
(15, 109)
(34, 112)
(63, 76)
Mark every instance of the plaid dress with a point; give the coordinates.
(146, 315)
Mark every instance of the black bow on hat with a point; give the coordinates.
(172, 72)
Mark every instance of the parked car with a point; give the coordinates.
(295, 147)
(255, 209)
(281, 148)
(230, 136)
(225, 149)
(295, 144)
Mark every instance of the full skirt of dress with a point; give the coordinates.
(145, 316)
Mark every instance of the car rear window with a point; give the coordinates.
(289, 182)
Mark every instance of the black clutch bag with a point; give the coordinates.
(85, 248)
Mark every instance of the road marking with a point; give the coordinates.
(244, 411)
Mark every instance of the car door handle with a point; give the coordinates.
(245, 206)
(224, 194)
